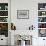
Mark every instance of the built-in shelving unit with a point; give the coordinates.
(4, 19)
(42, 19)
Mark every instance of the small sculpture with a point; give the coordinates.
(31, 27)
(13, 27)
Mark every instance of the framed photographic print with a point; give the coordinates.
(42, 32)
(22, 14)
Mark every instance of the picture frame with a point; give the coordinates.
(42, 32)
(22, 14)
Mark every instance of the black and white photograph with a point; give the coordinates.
(22, 14)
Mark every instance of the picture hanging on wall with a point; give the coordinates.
(22, 14)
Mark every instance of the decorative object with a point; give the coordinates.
(3, 19)
(31, 27)
(41, 19)
(42, 32)
(22, 14)
(3, 13)
(22, 43)
(41, 6)
(42, 25)
(24, 37)
(23, 40)
(4, 29)
(13, 27)
(0, 7)
(6, 7)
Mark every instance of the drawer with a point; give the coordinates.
(3, 41)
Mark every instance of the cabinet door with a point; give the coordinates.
(41, 41)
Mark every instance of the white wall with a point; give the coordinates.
(32, 6)
(23, 24)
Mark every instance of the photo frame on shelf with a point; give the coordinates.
(41, 6)
(3, 19)
(4, 29)
(22, 14)
(42, 32)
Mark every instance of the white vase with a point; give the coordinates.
(22, 43)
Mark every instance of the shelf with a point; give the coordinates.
(41, 10)
(41, 22)
(3, 16)
(41, 28)
(3, 10)
(42, 16)
(3, 22)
